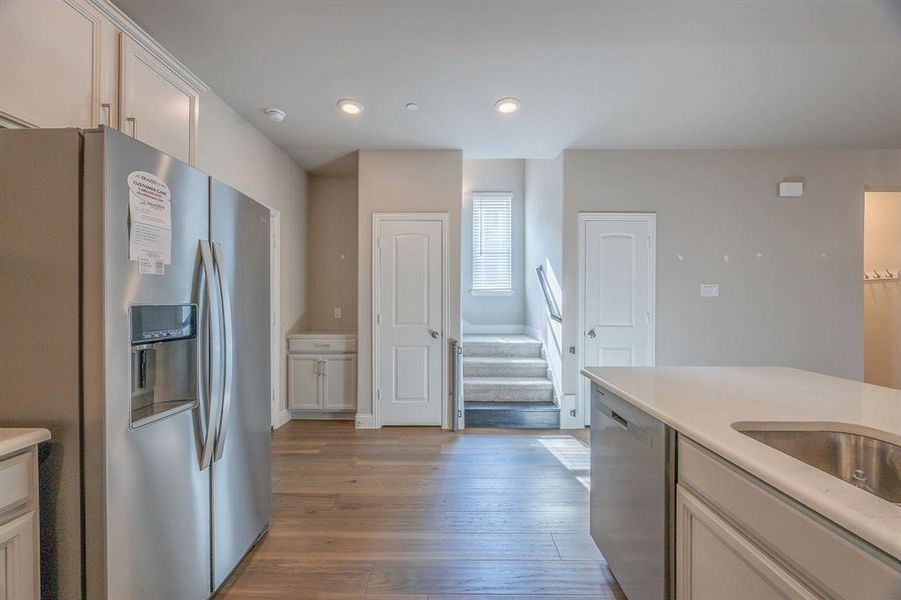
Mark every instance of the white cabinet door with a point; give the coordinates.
(715, 561)
(18, 559)
(158, 107)
(339, 382)
(50, 63)
(303, 382)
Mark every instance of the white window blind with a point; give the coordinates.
(492, 243)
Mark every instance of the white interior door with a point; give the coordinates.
(618, 273)
(409, 319)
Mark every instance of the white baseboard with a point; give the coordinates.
(365, 422)
(532, 332)
(283, 417)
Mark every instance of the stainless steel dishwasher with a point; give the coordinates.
(632, 495)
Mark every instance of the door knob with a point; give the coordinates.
(592, 334)
(434, 334)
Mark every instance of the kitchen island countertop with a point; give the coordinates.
(703, 403)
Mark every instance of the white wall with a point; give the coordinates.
(882, 299)
(233, 151)
(490, 175)
(799, 304)
(544, 246)
(543, 232)
(333, 253)
(404, 181)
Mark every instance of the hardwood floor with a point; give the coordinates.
(420, 513)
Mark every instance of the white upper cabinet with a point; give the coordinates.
(157, 106)
(82, 63)
(50, 65)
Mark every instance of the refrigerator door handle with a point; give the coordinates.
(203, 370)
(229, 351)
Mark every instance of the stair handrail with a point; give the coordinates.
(552, 308)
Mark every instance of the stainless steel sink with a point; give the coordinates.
(866, 462)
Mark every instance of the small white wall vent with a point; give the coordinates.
(791, 188)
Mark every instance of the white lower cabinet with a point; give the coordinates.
(322, 375)
(18, 557)
(19, 533)
(339, 382)
(737, 538)
(715, 561)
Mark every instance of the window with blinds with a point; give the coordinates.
(492, 243)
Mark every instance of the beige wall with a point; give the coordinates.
(333, 253)
(494, 175)
(233, 151)
(799, 304)
(882, 299)
(404, 181)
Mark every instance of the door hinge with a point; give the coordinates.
(459, 414)
(378, 394)
(378, 318)
(380, 242)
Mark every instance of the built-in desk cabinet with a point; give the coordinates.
(322, 375)
(19, 510)
(65, 63)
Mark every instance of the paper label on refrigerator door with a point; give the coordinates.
(150, 217)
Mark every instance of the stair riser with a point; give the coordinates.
(485, 393)
(504, 370)
(519, 419)
(487, 349)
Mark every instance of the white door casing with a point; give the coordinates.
(616, 292)
(275, 334)
(409, 319)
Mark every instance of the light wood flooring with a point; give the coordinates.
(420, 513)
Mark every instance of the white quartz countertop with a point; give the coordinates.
(703, 403)
(14, 439)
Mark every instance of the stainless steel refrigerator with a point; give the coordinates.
(134, 325)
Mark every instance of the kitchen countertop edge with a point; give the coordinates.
(14, 439)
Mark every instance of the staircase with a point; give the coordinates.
(505, 383)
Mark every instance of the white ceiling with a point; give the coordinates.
(702, 74)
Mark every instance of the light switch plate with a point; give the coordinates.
(710, 290)
(337, 312)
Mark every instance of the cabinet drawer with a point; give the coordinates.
(17, 476)
(828, 558)
(322, 345)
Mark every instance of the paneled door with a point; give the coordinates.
(617, 272)
(409, 320)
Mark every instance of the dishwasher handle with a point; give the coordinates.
(635, 429)
(619, 420)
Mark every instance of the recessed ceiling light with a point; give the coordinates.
(506, 106)
(275, 114)
(350, 107)
(411, 106)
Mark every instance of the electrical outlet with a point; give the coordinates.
(337, 312)
(710, 290)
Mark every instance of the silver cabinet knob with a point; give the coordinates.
(434, 334)
(592, 334)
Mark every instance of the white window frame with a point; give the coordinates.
(488, 291)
